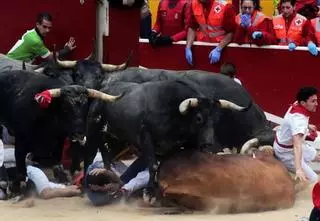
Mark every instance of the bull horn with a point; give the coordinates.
(55, 92)
(66, 64)
(185, 104)
(111, 67)
(103, 96)
(248, 145)
(39, 70)
(230, 105)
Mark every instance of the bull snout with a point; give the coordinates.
(206, 139)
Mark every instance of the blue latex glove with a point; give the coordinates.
(312, 48)
(214, 55)
(245, 20)
(188, 54)
(257, 35)
(292, 46)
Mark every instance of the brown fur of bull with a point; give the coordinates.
(226, 183)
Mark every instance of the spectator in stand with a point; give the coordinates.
(307, 8)
(230, 70)
(210, 21)
(293, 29)
(253, 26)
(170, 25)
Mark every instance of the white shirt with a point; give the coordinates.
(293, 124)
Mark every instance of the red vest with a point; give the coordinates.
(172, 19)
(256, 18)
(294, 33)
(211, 28)
(316, 25)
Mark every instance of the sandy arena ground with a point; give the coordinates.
(80, 209)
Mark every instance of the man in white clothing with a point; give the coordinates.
(290, 144)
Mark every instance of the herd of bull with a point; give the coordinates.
(177, 118)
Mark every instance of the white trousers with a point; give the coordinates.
(140, 181)
(286, 156)
(40, 179)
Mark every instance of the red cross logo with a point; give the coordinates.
(217, 9)
(298, 22)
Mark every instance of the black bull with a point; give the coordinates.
(35, 128)
(242, 126)
(233, 128)
(88, 73)
(157, 117)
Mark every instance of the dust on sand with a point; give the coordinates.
(78, 209)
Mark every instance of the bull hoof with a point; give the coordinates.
(149, 197)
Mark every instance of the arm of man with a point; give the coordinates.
(38, 48)
(191, 27)
(229, 25)
(239, 35)
(297, 145)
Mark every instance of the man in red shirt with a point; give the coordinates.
(170, 25)
(293, 29)
(210, 21)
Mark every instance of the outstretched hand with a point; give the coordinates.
(71, 44)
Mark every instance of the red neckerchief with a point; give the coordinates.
(298, 108)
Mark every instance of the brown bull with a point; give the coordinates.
(226, 183)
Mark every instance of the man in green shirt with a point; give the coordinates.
(31, 45)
